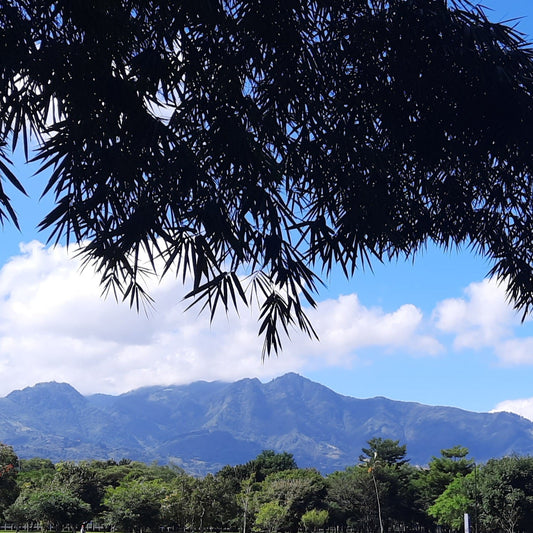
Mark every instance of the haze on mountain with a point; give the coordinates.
(206, 425)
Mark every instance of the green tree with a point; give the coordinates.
(35, 463)
(244, 482)
(213, 503)
(506, 494)
(148, 472)
(393, 482)
(8, 475)
(384, 451)
(456, 500)
(351, 499)
(20, 512)
(35, 476)
(452, 463)
(269, 462)
(112, 473)
(176, 506)
(271, 141)
(245, 499)
(35, 472)
(56, 509)
(315, 519)
(264, 464)
(81, 481)
(134, 505)
(270, 517)
(297, 490)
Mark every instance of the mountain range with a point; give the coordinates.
(206, 425)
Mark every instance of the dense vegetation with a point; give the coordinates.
(381, 492)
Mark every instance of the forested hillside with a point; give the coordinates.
(204, 426)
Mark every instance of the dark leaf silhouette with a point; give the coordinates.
(251, 145)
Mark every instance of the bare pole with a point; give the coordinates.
(377, 492)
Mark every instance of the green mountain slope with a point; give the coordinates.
(203, 426)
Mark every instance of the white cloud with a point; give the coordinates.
(482, 319)
(345, 325)
(515, 352)
(522, 407)
(54, 325)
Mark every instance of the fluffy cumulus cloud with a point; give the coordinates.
(515, 351)
(54, 325)
(484, 319)
(344, 324)
(481, 319)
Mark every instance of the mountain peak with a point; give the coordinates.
(47, 394)
(207, 425)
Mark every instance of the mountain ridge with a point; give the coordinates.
(203, 426)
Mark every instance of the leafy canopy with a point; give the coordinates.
(250, 145)
(385, 451)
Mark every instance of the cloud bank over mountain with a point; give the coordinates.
(54, 325)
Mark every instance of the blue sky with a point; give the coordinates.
(434, 332)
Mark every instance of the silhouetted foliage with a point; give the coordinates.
(250, 145)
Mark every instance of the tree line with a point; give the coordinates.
(382, 492)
